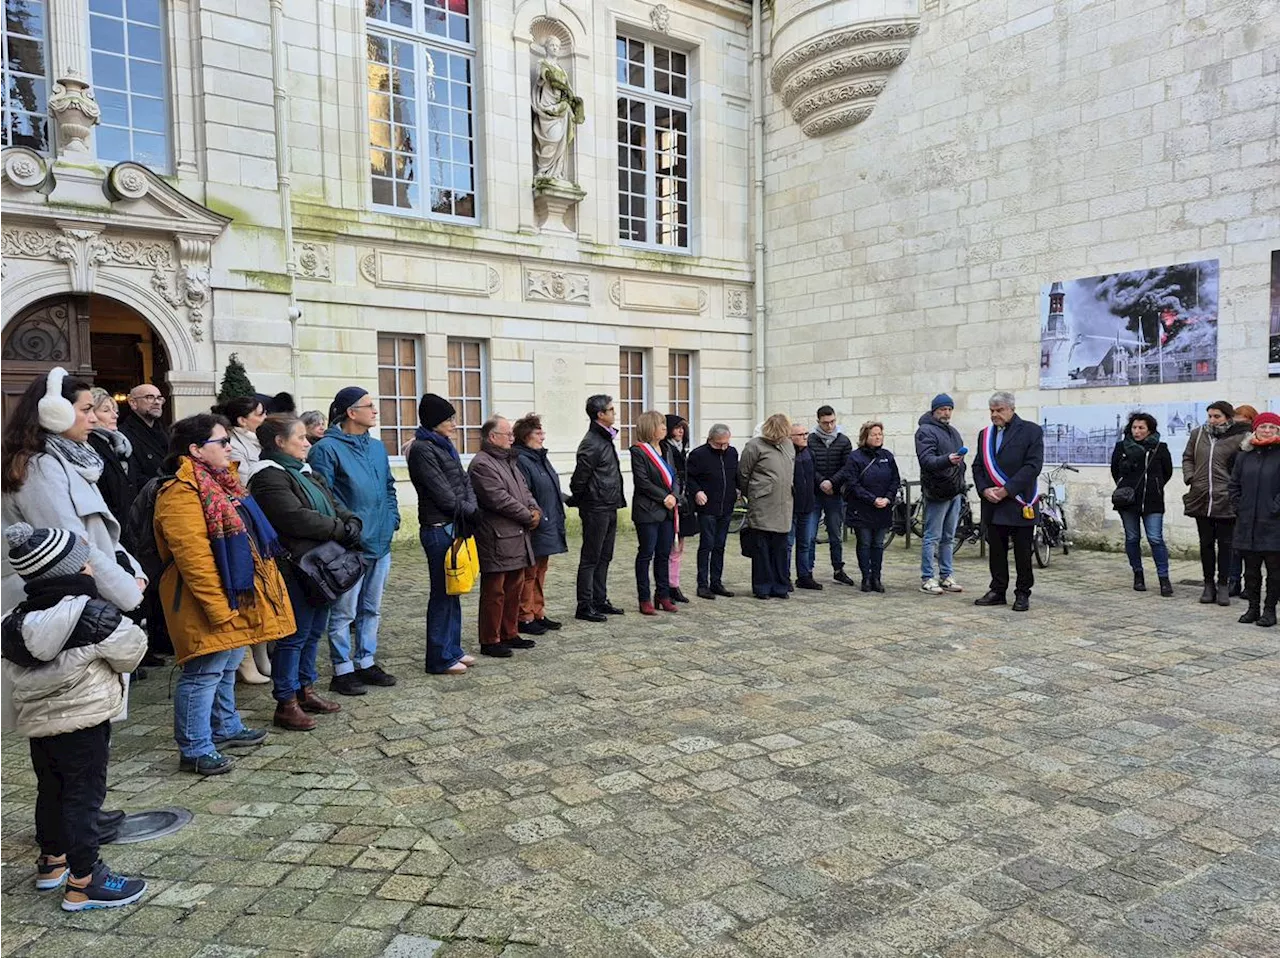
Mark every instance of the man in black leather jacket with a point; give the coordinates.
(597, 492)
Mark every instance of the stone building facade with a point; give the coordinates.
(151, 228)
(932, 165)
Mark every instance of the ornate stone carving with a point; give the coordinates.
(127, 181)
(736, 301)
(72, 104)
(25, 168)
(660, 17)
(831, 82)
(557, 286)
(369, 267)
(314, 260)
(495, 281)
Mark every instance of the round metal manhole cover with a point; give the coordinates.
(156, 823)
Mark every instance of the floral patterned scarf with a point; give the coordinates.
(230, 530)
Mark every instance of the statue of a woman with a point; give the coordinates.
(556, 111)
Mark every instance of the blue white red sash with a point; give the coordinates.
(987, 444)
(660, 463)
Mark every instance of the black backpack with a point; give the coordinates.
(139, 528)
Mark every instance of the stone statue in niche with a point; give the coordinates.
(556, 114)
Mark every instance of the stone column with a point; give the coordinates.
(71, 102)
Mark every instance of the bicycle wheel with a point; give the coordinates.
(917, 519)
(735, 522)
(1040, 547)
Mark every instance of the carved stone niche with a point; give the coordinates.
(832, 59)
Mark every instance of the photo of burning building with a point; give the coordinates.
(1274, 356)
(1130, 329)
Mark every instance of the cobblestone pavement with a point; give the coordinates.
(837, 775)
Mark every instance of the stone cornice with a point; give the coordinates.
(831, 82)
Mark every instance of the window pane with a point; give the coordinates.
(127, 59)
(386, 350)
(386, 382)
(408, 382)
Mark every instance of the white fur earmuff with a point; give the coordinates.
(56, 413)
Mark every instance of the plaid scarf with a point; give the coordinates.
(229, 534)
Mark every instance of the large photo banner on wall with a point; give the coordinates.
(1086, 435)
(1274, 367)
(1143, 327)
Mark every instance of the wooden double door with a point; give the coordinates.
(94, 338)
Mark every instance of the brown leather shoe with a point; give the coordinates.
(290, 716)
(308, 701)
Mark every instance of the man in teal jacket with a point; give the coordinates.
(354, 463)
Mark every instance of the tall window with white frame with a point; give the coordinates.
(399, 386)
(26, 75)
(633, 390)
(653, 144)
(468, 391)
(128, 57)
(680, 372)
(421, 56)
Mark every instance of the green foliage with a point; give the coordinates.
(235, 380)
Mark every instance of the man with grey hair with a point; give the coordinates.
(1006, 472)
(711, 477)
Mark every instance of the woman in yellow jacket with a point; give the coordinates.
(220, 588)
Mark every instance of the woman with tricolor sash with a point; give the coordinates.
(653, 508)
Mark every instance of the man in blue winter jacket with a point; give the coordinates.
(942, 483)
(355, 465)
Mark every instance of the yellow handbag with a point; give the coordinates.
(461, 566)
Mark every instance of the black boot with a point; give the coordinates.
(678, 596)
(1268, 617)
(1235, 587)
(1223, 592)
(876, 584)
(1139, 581)
(1166, 587)
(1251, 614)
(1210, 593)
(866, 584)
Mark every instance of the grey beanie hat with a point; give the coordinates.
(45, 553)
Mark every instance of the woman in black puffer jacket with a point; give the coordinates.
(870, 481)
(446, 507)
(1141, 465)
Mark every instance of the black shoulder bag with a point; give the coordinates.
(328, 571)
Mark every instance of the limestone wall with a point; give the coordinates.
(1017, 143)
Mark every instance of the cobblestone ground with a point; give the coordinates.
(837, 775)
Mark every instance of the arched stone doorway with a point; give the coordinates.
(95, 337)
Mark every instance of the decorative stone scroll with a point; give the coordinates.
(831, 82)
(737, 301)
(314, 260)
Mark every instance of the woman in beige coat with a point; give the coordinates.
(765, 472)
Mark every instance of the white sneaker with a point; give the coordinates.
(931, 586)
(951, 585)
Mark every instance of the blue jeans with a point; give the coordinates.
(1153, 525)
(803, 538)
(655, 547)
(831, 509)
(713, 533)
(293, 663)
(870, 550)
(941, 516)
(444, 611)
(204, 702)
(358, 611)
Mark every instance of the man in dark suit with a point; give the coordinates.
(1006, 472)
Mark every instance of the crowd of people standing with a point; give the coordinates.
(252, 528)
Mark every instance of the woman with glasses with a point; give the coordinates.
(446, 511)
(221, 590)
(549, 538)
(1255, 494)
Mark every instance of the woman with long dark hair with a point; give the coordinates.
(299, 504)
(50, 480)
(245, 413)
(1141, 463)
(221, 590)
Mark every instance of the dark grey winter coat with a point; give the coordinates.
(544, 482)
(1255, 495)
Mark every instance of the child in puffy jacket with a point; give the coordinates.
(66, 654)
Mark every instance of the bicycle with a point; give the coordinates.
(967, 530)
(1051, 520)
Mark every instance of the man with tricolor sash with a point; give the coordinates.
(1006, 472)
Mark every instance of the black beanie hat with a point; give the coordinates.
(347, 397)
(433, 410)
